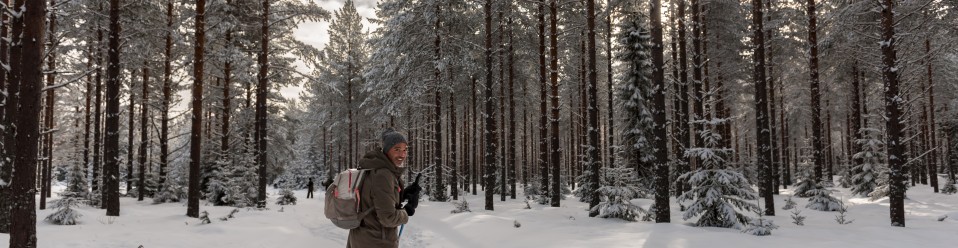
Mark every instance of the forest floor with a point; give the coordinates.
(143, 224)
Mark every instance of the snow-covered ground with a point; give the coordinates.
(303, 225)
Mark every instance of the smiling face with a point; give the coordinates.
(397, 154)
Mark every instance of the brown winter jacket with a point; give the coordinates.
(380, 190)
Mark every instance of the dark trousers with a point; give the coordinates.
(309, 194)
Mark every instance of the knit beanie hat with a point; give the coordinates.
(391, 138)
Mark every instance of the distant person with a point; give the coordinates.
(380, 191)
(309, 189)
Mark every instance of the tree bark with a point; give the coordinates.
(543, 99)
(490, 120)
(761, 110)
(661, 211)
(111, 152)
(97, 112)
(511, 131)
(933, 140)
(261, 115)
(196, 130)
(453, 155)
(817, 146)
(144, 132)
(554, 77)
(684, 162)
(23, 215)
(594, 160)
(167, 98)
(893, 113)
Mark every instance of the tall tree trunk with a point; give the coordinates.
(97, 112)
(817, 146)
(453, 153)
(23, 215)
(490, 121)
(261, 115)
(131, 134)
(440, 193)
(473, 134)
(893, 113)
(144, 132)
(776, 159)
(543, 117)
(761, 109)
(196, 130)
(554, 77)
(227, 98)
(511, 131)
(933, 139)
(111, 152)
(594, 160)
(697, 99)
(610, 134)
(660, 143)
(9, 88)
(684, 162)
(167, 98)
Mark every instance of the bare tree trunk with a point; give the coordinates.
(817, 146)
(97, 112)
(111, 151)
(610, 134)
(453, 153)
(776, 159)
(761, 110)
(490, 121)
(144, 132)
(227, 98)
(933, 149)
(543, 117)
(23, 215)
(594, 160)
(661, 210)
(511, 131)
(261, 115)
(473, 134)
(196, 131)
(893, 113)
(167, 98)
(9, 88)
(554, 77)
(131, 134)
(683, 161)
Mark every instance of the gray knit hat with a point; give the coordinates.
(392, 138)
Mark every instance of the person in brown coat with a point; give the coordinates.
(382, 190)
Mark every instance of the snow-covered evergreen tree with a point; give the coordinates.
(822, 200)
(65, 214)
(949, 187)
(635, 93)
(720, 197)
(872, 154)
(616, 195)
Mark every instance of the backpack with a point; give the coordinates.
(343, 199)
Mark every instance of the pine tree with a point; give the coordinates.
(717, 194)
(619, 188)
(871, 155)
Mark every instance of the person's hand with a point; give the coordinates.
(410, 211)
(412, 190)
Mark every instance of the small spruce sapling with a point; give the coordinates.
(65, 214)
(760, 226)
(840, 218)
(822, 200)
(949, 187)
(463, 206)
(205, 217)
(797, 217)
(789, 203)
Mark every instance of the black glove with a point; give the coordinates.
(410, 191)
(410, 211)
